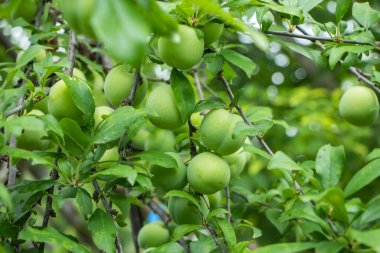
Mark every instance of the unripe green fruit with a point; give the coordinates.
(141, 138)
(153, 235)
(165, 113)
(215, 199)
(208, 173)
(78, 14)
(216, 132)
(110, 158)
(182, 50)
(97, 89)
(26, 9)
(212, 32)
(61, 104)
(183, 211)
(100, 113)
(32, 139)
(79, 74)
(236, 162)
(169, 179)
(161, 140)
(359, 106)
(118, 86)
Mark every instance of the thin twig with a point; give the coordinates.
(192, 130)
(40, 10)
(136, 224)
(228, 203)
(209, 89)
(159, 80)
(109, 212)
(315, 38)
(71, 53)
(238, 108)
(355, 71)
(136, 82)
(214, 237)
(198, 85)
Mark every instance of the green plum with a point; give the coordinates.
(208, 173)
(359, 106)
(236, 162)
(118, 85)
(212, 32)
(161, 140)
(216, 132)
(110, 158)
(164, 112)
(100, 113)
(183, 49)
(152, 235)
(183, 211)
(169, 179)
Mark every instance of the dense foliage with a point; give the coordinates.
(189, 126)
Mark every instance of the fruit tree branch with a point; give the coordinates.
(228, 203)
(315, 38)
(136, 82)
(245, 118)
(198, 85)
(71, 53)
(109, 212)
(355, 71)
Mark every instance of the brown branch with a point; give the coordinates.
(355, 71)
(316, 38)
(238, 108)
(136, 224)
(136, 82)
(109, 212)
(214, 237)
(40, 10)
(198, 85)
(192, 130)
(71, 53)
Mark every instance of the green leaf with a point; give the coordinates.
(228, 232)
(117, 124)
(53, 127)
(365, 15)
(183, 94)
(84, 201)
(202, 245)
(76, 141)
(113, 22)
(372, 212)
(336, 53)
(265, 18)
(182, 194)
(28, 55)
(158, 158)
(5, 198)
(283, 162)
(363, 177)
(260, 40)
(216, 213)
(9, 98)
(103, 231)
(182, 230)
(329, 165)
(307, 6)
(330, 247)
(51, 235)
(291, 247)
(314, 55)
(82, 96)
(25, 154)
(334, 197)
(375, 154)
(342, 7)
(256, 151)
(214, 63)
(119, 171)
(369, 238)
(170, 247)
(210, 104)
(239, 60)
